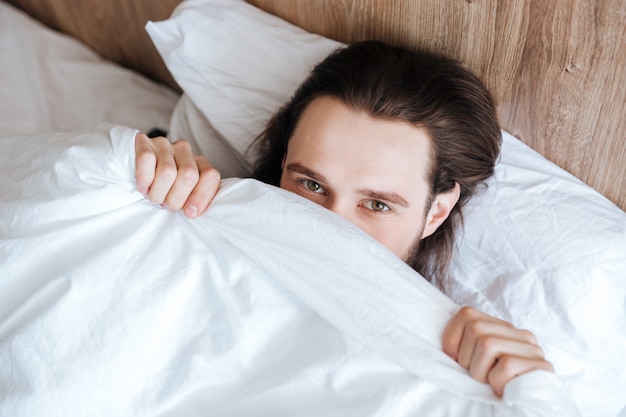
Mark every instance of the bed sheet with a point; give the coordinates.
(267, 305)
(539, 248)
(51, 82)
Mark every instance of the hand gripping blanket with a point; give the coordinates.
(267, 305)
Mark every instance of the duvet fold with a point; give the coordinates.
(267, 305)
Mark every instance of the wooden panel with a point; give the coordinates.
(556, 68)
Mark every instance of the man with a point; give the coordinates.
(396, 142)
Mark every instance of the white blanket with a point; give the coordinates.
(268, 305)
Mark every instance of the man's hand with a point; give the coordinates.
(491, 349)
(171, 175)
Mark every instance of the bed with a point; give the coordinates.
(112, 306)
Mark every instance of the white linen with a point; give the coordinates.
(546, 252)
(539, 248)
(51, 82)
(248, 74)
(189, 123)
(267, 305)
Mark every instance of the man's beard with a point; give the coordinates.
(410, 255)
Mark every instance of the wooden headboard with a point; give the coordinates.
(557, 69)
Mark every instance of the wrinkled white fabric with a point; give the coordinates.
(545, 251)
(267, 305)
(538, 248)
(52, 82)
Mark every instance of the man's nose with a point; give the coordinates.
(341, 207)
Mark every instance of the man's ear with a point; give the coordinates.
(282, 164)
(440, 210)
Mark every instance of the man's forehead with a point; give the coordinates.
(336, 137)
(386, 160)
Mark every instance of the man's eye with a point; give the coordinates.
(313, 186)
(376, 205)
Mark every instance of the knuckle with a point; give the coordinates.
(142, 138)
(160, 142)
(189, 174)
(182, 145)
(538, 351)
(529, 336)
(486, 344)
(507, 364)
(508, 324)
(475, 328)
(468, 312)
(145, 156)
(167, 171)
(211, 174)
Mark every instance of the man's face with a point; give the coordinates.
(372, 172)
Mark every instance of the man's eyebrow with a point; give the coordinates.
(390, 197)
(301, 169)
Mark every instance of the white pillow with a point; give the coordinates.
(51, 82)
(546, 252)
(237, 63)
(539, 248)
(188, 122)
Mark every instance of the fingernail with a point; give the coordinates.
(191, 211)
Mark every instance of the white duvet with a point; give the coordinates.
(266, 306)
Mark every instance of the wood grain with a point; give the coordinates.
(557, 68)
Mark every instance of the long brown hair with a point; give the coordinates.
(423, 89)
